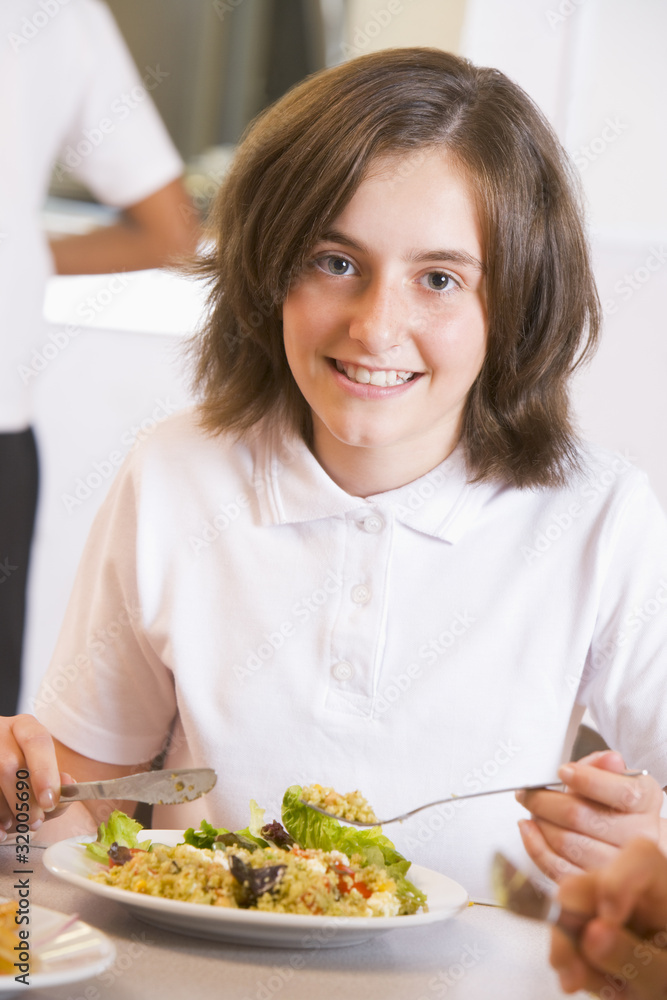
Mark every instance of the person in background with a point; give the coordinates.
(622, 951)
(71, 96)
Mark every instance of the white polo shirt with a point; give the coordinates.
(426, 641)
(71, 91)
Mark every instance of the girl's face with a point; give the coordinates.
(385, 329)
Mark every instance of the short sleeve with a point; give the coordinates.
(107, 694)
(625, 676)
(117, 143)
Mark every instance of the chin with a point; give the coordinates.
(357, 437)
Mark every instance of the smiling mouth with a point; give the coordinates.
(379, 377)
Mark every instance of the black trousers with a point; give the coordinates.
(18, 501)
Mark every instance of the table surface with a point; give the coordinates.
(483, 952)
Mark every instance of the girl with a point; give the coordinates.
(375, 555)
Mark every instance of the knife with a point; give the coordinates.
(154, 787)
(519, 894)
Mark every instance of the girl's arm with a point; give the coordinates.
(26, 745)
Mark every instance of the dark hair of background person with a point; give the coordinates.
(300, 164)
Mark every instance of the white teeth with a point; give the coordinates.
(380, 377)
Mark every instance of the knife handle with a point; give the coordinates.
(81, 790)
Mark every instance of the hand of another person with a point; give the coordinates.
(622, 951)
(601, 811)
(29, 776)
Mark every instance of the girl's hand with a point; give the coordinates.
(583, 828)
(28, 764)
(623, 947)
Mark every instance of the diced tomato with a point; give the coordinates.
(307, 901)
(345, 886)
(341, 869)
(362, 888)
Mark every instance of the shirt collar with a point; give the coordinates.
(292, 487)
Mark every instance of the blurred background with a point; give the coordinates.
(595, 68)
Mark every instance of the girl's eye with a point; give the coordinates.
(439, 281)
(340, 266)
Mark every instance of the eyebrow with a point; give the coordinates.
(418, 256)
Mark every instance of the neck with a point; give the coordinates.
(366, 472)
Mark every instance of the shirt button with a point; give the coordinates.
(342, 671)
(361, 594)
(373, 524)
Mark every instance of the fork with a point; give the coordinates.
(453, 798)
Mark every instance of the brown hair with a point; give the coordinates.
(299, 165)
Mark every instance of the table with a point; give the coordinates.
(484, 952)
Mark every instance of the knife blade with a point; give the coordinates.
(518, 893)
(154, 787)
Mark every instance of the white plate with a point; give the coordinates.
(69, 861)
(79, 952)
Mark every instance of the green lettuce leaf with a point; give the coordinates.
(119, 829)
(204, 837)
(256, 819)
(312, 829)
(307, 827)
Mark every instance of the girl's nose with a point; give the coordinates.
(379, 320)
